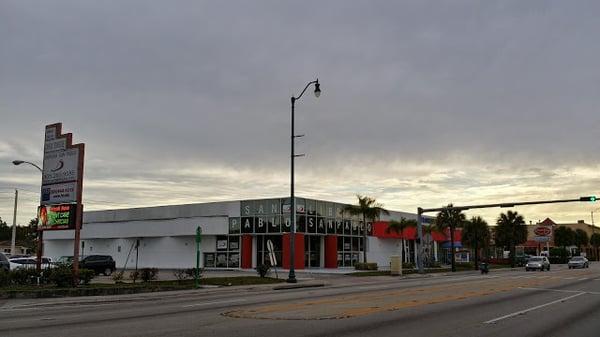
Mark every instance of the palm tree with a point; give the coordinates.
(595, 241)
(371, 210)
(564, 236)
(450, 219)
(581, 239)
(476, 234)
(398, 227)
(510, 232)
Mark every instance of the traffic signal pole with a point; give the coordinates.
(420, 212)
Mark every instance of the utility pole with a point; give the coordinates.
(13, 241)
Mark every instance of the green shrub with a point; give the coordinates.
(263, 269)
(86, 275)
(148, 274)
(24, 276)
(118, 277)
(365, 266)
(191, 272)
(5, 278)
(180, 274)
(408, 265)
(61, 275)
(134, 275)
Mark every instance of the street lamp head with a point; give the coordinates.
(317, 89)
(17, 162)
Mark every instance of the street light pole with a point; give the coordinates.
(293, 155)
(40, 233)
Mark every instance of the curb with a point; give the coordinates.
(299, 285)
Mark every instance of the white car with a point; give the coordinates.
(29, 262)
(537, 263)
(578, 262)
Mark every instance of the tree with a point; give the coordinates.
(450, 219)
(476, 234)
(581, 238)
(369, 209)
(398, 227)
(510, 232)
(595, 241)
(564, 236)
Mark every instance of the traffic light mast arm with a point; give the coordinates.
(507, 204)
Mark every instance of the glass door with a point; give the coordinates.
(312, 251)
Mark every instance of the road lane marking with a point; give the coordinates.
(210, 303)
(562, 290)
(583, 279)
(521, 312)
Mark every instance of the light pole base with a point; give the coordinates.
(291, 277)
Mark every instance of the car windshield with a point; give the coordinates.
(535, 259)
(577, 258)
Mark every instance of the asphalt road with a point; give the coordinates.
(561, 302)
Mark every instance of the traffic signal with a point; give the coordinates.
(590, 198)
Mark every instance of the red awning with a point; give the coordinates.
(380, 231)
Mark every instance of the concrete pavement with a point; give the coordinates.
(561, 302)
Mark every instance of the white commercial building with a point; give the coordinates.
(234, 235)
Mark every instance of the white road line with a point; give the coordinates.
(583, 279)
(210, 303)
(531, 309)
(562, 291)
(569, 278)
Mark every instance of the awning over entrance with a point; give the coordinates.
(380, 231)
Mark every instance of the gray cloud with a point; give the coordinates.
(458, 97)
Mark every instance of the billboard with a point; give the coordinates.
(53, 217)
(62, 170)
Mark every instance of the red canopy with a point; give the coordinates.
(380, 231)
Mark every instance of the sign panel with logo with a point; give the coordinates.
(62, 168)
(542, 233)
(54, 217)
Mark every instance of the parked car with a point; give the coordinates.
(99, 264)
(521, 260)
(4, 263)
(64, 260)
(29, 262)
(578, 262)
(537, 263)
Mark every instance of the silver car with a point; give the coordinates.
(578, 262)
(537, 263)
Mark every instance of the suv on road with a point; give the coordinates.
(99, 264)
(537, 262)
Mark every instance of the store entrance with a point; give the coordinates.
(262, 252)
(312, 251)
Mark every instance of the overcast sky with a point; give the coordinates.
(423, 102)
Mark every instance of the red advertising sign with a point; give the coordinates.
(542, 231)
(54, 217)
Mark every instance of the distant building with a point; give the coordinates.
(535, 246)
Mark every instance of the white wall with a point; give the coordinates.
(380, 251)
(157, 252)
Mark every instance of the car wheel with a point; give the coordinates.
(107, 271)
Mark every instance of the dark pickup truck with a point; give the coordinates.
(99, 264)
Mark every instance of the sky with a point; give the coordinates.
(423, 103)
